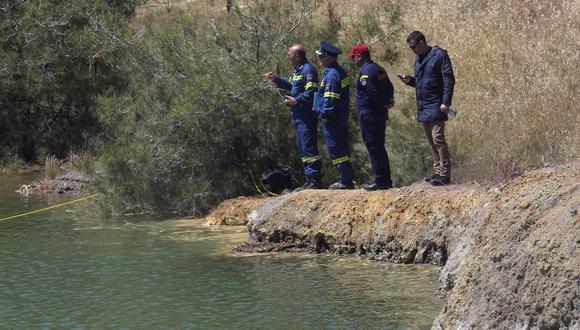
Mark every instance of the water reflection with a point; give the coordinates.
(59, 270)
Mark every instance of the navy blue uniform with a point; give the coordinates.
(434, 82)
(374, 91)
(332, 104)
(302, 85)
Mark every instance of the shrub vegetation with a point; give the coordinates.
(170, 94)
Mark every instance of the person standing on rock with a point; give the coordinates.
(302, 86)
(374, 97)
(434, 82)
(332, 104)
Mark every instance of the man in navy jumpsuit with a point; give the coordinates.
(434, 82)
(332, 104)
(302, 85)
(374, 96)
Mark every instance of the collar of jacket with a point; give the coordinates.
(427, 56)
(369, 62)
(334, 66)
(299, 67)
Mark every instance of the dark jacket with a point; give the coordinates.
(302, 85)
(433, 82)
(333, 98)
(374, 89)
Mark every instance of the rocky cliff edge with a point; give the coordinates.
(509, 252)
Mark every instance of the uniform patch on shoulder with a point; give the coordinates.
(309, 76)
(363, 82)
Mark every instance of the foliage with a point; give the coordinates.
(56, 57)
(200, 121)
(409, 150)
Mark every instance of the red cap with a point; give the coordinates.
(358, 50)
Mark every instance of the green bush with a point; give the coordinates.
(56, 57)
(200, 120)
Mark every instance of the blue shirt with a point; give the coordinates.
(302, 86)
(333, 98)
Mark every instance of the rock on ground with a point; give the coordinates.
(510, 252)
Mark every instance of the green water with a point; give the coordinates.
(64, 269)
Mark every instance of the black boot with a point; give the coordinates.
(441, 181)
(311, 183)
(375, 186)
(431, 177)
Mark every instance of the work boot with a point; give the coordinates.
(311, 183)
(375, 186)
(441, 181)
(341, 185)
(431, 177)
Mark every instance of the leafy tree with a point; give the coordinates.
(56, 57)
(200, 123)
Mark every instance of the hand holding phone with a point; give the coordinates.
(405, 79)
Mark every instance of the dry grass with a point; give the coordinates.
(51, 167)
(517, 80)
(74, 160)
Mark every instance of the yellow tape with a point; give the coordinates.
(50, 207)
(256, 186)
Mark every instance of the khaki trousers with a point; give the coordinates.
(435, 131)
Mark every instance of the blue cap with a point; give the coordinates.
(328, 49)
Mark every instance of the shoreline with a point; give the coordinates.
(509, 251)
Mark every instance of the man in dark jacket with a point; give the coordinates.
(302, 85)
(374, 96)
(433, 82)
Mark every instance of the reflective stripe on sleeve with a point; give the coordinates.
(341, 160)
(311, 159)
(332, 95)
(310, 85)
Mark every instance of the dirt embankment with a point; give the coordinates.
(510, 252)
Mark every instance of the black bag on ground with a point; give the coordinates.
(277, 179)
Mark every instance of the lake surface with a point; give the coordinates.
(64, 269)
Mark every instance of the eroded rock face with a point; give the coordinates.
(522, 268)
(510, 252)
(233, 212)
(395, 225)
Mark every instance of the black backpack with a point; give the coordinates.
(277, 179)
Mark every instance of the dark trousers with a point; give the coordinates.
(336, 137)
(307, 141)
(373, 123)
(435, 131)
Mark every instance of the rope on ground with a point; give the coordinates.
(256, 185)
(50, 207)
